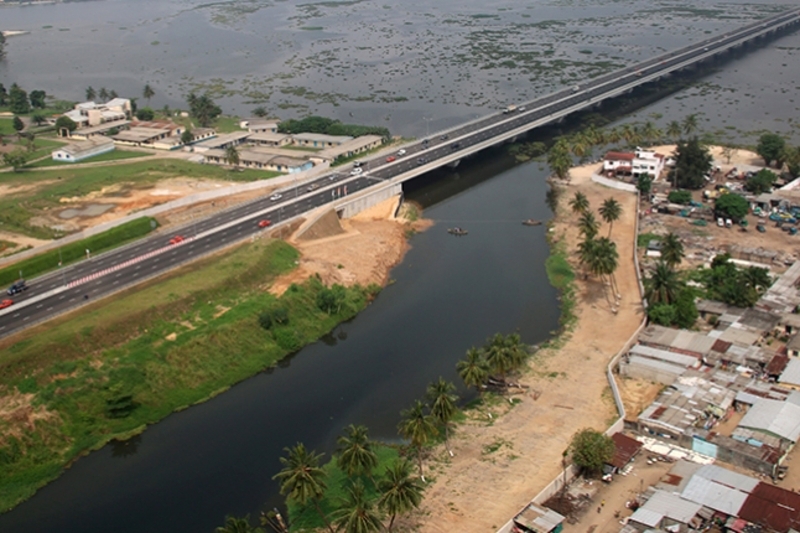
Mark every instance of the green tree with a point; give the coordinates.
(238, 525)
(15, 159)
(692, 162)
(232, 155)
(662, 285)
(672, 250)
(38, 119)
(761, 182)
(187, 137)
(357, 514)
(356, 456)
(18, 100)
(260, 111)
(112, 94)
(91, 94)
(579, 203)
(588, 225)
(145, 114)
(302, 480)
(65, 124)
(610, 211)
(559, 159)
(689, 124)
(2, 45)
(473, 370)
(644, 184)
(419, 428)
(685, 309)
(148, 93)
(3, 94)
(674, 130)
(771, 147)
(103, 94)
(18, 125)
(442, 398)
(37, 98)
(756, 278)
(680, 196)
(662, 314)
(203, 108)
(399, 492)
(331, 300)
(504, 353)
(591, 450)
(793, 161)
(277, 314)
(731, 206)
(604, 261)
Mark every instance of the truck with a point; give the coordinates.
(17, 287)
(510, 109)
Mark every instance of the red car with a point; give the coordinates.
(6, 303)
(390, 159)
(264, 223)
(176, 239)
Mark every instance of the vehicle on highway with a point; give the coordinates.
(6, 303)
(264, 223)
(420, 161)
(455, 146)
(312, 187)
(390, 159)
(334, 177)
(356, 171)
(275, 197)
(17, 287)
(177, 239)
(401, 152)
(425, 143)
(521, 108)
(443, 137)
(510, 109)
(576, 88)
(358, 164)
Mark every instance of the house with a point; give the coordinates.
(774, 418)
(86, 114)
(163, 135)
(222, 142)
(260, 160)
(350, 148)
(793, 346)
(666, 511)
(260, 125)
(78, 151)
(535, 519)
(790, 377)
(202, 134)
(625, 450)
(319, 140)
(269, 139)
(96, 131)
(616, 163)
(633, 163)
(654, 248)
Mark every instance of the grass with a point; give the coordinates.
(114, 155)
(644, 238)
(75, 251)
(303, 518)
(7, 126)
(562, 277)
(227, 124)
(122, 364)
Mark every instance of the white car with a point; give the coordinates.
(275, 197)
(356, 171)
(401, 152)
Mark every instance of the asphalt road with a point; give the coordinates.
(90, 279)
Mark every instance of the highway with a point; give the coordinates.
(90, 279)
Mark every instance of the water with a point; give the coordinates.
(190, 470)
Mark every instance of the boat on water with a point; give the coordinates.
(531, 222)
(457, 231)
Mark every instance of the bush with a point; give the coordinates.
(287, 339)
(145, 114)
(731, 206)
(662, 314)
(679, 197)
(278, 315)
(327, 126)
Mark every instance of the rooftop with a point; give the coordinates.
(774, 417)
(625, 449)
(320, 137)
(791, 374)
(665, 504)
(539, 519)
(772, 507)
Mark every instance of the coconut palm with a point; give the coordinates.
(579, 203)
(672, 250)
(610, 211)
(559, 159)
(689, 124)
(232, 156)
(649, 132)
(238, 525)
(504, 353)
(103, 94)
(579, 145)
(357, 513)
(442, 400)
(91, 94)
(302, 479)
(674, 130)
(418, 427)
(400, 493)
(473, 370)
(630, 134)
(662, 286)
(356, 456)
(594, 135)
(604, 261)
(586, 251)
(588, 225)
(613, 136)
(148, 93)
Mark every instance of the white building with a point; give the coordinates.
(633, 163)
(78, 151)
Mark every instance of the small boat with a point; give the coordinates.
(457, 231)
(531, 222)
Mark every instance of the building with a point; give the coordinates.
(96, 131)
(351, 148)
(78, 151)
(259, 160)
(783, 296)
(162, 135)
(666, 511)
(535, 519)
(271, 139)
(790, 377)
(86, 114)
(633, 163)
(774, 418)
(656, 364)
(222, 142)
(319, 140)
(625, 450)
(260, 125)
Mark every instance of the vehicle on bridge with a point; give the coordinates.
(275, 197)
(401, 152)
(510, 109)
(390, 159)
(177, 239)
(17, 287)
(264, 223)
(6, 303)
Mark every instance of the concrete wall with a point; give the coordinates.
(614, 184)
(350, 206)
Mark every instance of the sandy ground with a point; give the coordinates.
(500, 465)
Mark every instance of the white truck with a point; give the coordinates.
(510, 109)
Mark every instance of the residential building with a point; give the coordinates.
(535, 519)
(221, 142)
(163, 135)
(269, 139)
(633, 163)
(350, 148)
(80, 150)
(319, 140)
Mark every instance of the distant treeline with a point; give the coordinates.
(329, 126)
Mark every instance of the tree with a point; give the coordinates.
(559, 159)
(3, 94)
(771, 147)
(91, 94)
(644, 184)
(442, 400)
(674, 130)
(302, 479)
(232, 155)
(418, 427)
(685, 309)
(610, 211)
(679, 196)
(604, 261)
(756, 278)
(357, 514)
(103, 94)
(112, 94)
(203, 108)
(579, 203)
(728, 152)
(356, 456)
(238, 525)
(588, 225)
(591, 450)
(761, 182)
(38, 119)
(18, 100)
(399, 492)
(18, 124)
(661, 314)
(2, 45)
(504, 353)
(731, 206)
(260, 112)
(689, 124)
(64, 123)
(662, 285)
(37, 99)
(145, 114)
(148, 93)
(187, 137)
(331, 299)
(672, 250)
(692, 163)
(473, 370)
(15, 159)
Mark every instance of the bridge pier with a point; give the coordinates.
(454, 164)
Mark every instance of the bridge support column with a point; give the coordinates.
(454, 164)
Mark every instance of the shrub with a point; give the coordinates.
(679, 197)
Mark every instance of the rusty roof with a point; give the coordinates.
(625, 449)
(772, 507)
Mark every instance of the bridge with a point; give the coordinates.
(73, 286)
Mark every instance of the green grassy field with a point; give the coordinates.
(7, 126)
(119, 365)
(114, 155)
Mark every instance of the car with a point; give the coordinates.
(177, 239)
(521, 108)
(6, 303)
(761, 228)
(275, 197)
(420, 161)
(264, 223)
(455, 146)
(401, 152)
(17, 287)
(356, 171)
(720, 222)
(358, 164)
(390, 159)
(443, 137)
(312, 187)
(333, 177)
(425, 143)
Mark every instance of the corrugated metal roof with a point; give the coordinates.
(673, 506)
(728, 478)
(713, 495)
(655, 364)
(647, 517)
(664, 355)
(791, 373)
(774, 417)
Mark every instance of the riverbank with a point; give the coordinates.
(504, 461)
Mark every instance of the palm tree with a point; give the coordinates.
(689, 124)
(504, 353)
(238, 525)
(148, 93)
(579, 145)
(613, 136)
(473, 370)
(91, 94)
(586, 253)
(672, 250)
(356, 455)
(559, 159)
(443, 405)
(630, 134)
(588, 225)
(674, 130)
(232, 156)
(302, 479)
(357, 514)
(649, 132)
(611, 210)
(112, 94)
(418, 427)
(594, 135)
(400, 493)
(103, 94)
(662, 286)
(604, 261)
(579, 203)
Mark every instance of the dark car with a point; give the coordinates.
(17, 288)
(455, 146)
(443, 137)
(420, 161)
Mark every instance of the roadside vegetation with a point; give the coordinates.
(83, 380)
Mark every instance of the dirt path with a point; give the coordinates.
(500, 465)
